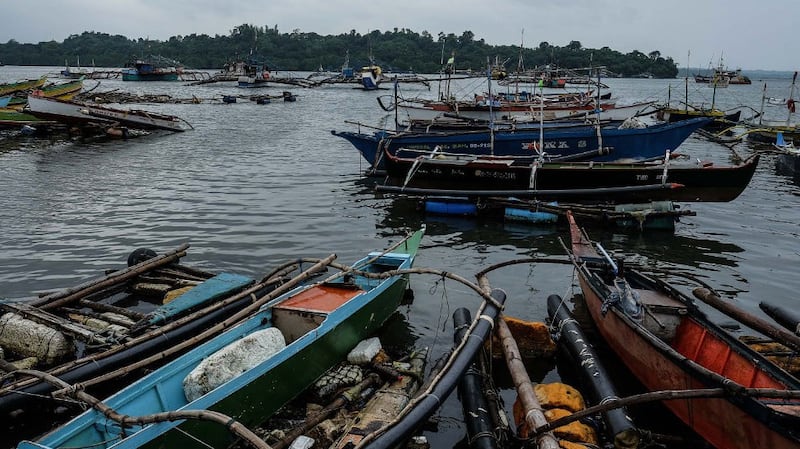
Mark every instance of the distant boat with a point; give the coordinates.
(21, 86)
(281, 349)
(153, 68)
(84, 113)
(621, 143)
(77, 73)
(59, 91)
(371, 76)
(768, 132)
(722, 75)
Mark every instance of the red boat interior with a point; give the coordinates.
(306, 311)
(702, 346)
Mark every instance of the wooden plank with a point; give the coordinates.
(46, 318)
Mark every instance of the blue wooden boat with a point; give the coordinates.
(152, 68)
(320, 323)
(628, 143)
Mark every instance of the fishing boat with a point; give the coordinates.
(21, 86)
(513, 176)
(79, 113)
(284, 345)
(152, 68)
(732, 76)
(621, 142)
(102, 331)
(59, 91)
(721, 119)
(768, 131)
(524, 108)
(14, 119)
(371, 77)
(74, 73)
(669, 343)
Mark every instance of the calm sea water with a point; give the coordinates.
(254, 185)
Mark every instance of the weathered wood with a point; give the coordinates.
(534, 417)
(219, 327)
(102, 307)
(66, 296)
(340, 401)
(778, 334)
(48, 319)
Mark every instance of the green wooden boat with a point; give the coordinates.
(320, 323)
(60, 91)
(11, 118)
(19, 86)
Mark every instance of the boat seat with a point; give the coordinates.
(662, 314)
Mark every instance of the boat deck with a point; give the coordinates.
(321, 299)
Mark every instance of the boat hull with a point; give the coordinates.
(82, 114)
(637, 143)
(689, 353)
(722, 422)
(719, 184)
(134, 75)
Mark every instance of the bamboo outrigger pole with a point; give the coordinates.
(66, 296)
(534, 417)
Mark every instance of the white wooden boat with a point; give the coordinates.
(78, 113)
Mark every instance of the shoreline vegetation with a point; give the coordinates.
(399, 50)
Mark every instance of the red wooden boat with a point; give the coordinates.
(669, 344)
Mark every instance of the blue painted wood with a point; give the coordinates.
(211, 290)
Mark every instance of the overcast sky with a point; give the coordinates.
(747, 34)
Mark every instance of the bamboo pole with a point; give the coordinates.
(66, 296)
(670, 395)
(234, 319)
(154, 333)
(102, 307)
(228, 422)
(766, 328)
(534, 417)
(343, 399)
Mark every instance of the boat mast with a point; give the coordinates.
(686, 83)
(441, 70)
(491, 111)
(763, 98)
(520, 64)
(790, 101)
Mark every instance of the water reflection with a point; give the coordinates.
(788, 165)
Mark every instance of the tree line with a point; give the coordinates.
(397, 50)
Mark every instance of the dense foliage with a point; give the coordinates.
(400, 50)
